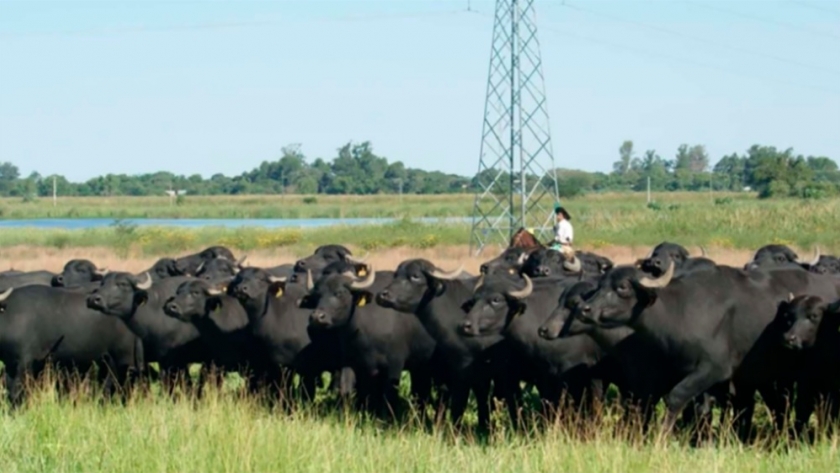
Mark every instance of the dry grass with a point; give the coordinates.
(448, 257)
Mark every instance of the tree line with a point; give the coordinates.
(357, 169)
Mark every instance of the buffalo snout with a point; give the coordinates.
(792, 341)
(469, 329)
(171, 308)
(318, 318)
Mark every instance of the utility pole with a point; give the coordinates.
(516, 136)
(55, 192)
(648, 190)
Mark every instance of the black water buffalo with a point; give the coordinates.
(546, 262)
(664, 253)
(164, 268)
(510, 261)
(469, 363)
(507, 306)
(280, 328)
(812, 325)
(826, 265)
(543, 261)
(188, 265)
(219, 269)
(323, 256)
(138, 302)
(713, 326)
(223, 324)
(377, 343)
(28, 278)
(40, 323)
(637, 368)
(779, 256)
(78, 272)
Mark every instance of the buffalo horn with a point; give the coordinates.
(438, 274)
(525, 291)
(276, 279)
(661, 281)
(479, 283)
(241, 261)
(572, 265)
(365, 283)
(310, 284)
(214, 291)
(199, 268)
(145, 284)
(5, 295)
(702, 252)
(101, 271)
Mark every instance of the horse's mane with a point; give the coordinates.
(525, 240)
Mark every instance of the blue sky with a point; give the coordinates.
(88, 88)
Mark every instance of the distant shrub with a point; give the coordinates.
(723, 200)
(309, 200)
(654, 206)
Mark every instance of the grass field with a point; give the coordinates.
(731, 221)
(226, 432)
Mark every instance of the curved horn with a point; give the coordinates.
(702, 252)
(223, 257)
(199, 268)
(438, 274)
(573, 266)
(661, 281)
(5, 295)
(214, 291)
(310, 284)
(101, 271)
(365, 283)
(276, 279)
(478, 284)
(241, 261)
(525, 291)
(145, 284)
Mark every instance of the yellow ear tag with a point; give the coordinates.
(512, 271)
(362, 302)
(362, 272)
(224, 289)
(279, 293)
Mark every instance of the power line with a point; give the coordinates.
(678, 59)
(699, 39)
(223, 25)
(760, 19)
(816, 7)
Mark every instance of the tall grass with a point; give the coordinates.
(226, 432)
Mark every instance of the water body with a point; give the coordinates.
(83, 223)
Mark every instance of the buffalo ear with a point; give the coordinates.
(361, 269)
(363, 298)
(519, 308)
(214, 304)
(140, 298)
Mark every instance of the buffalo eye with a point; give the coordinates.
(497, 300)
(414, 278)
(813, 317)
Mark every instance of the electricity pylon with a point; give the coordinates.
(517, 185)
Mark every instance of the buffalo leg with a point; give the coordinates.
(687, 389)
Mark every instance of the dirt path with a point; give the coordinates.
(33, 258)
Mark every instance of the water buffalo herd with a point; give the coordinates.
(672, 327)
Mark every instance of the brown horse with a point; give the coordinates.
(525, 240)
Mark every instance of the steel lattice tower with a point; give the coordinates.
(517, 185)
